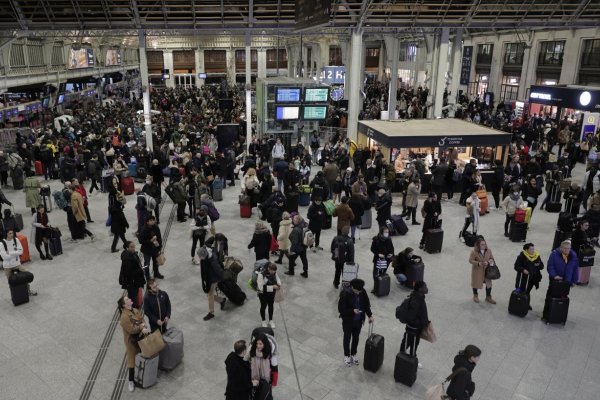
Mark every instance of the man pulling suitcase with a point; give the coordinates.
(354, 307)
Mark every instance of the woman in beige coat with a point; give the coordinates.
(283, 236)
(480, 258)
(132, 323)
(412, 200)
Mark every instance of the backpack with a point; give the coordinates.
(259, 268)
(308, 238)
(60, 200)
(213, 213)
(340, 249)
(404, 312)
(45, 154)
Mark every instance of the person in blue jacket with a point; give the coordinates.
(563, 266)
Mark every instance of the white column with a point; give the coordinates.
(527, 71)
(248, 91)
(496, 71)
(261, 71)
(440, 74)
(323, 55)
(354, 77)
(381, 65)
(168, 61)
(456, 65)
(291, 61)
(230, 58)
(392, 46)
(145, 89)
(345, 49)
(571, 58)
(199, 58)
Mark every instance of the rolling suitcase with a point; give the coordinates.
(584, 275)
(55, 244)
(557, 310)
(399, 224)
(559, 237)
(304, 199)
(245, 210)
(132, 170)
(217, 194)
(367, 219)
(415, 272)
(553, 206)
(518, 231)
(433, 240)
(232, 291)
(39, 168)
(128, 185)
(483, 201)
(349, 272)
(146, 370)
(470, 238)
(170, 191)
(519, 301)
(172, 354)
(382, 285)
(374, 349)
(405, 367)
(25, 256)
(19, 294)
(327, 222)
(141, 174)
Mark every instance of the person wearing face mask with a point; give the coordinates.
(153, 189)
(200, 226)
(479, 259)
(511, 203)
(383, 252)
(157, 307)
(461, 385)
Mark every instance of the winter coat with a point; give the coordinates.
(283, 238)
(261, 241)
(421, 317)
(211, 271)
(478, 272)
(461, 387)
(131, 322)
(119, 224)
(534, 268)
(510, 205)
(356, 205)
(316, 217)
(31, 187)
(557, 266)
(381, 245)
(347, 304)
(156, 172)
(132, 272)
(297, 240)
(77, 207)
(239, 383)
(412, 195)
(439, 174)
(331, 172)
(432, 210)
(344, 215)
(157, 307)
(145, 235)
(384, 208)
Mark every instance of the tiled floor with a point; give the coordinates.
(49, 346)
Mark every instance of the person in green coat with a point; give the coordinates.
(32, 187)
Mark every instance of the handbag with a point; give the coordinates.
(274, 243)
(109, 220)
(161, 259)
(492, 272)
(279, 295)
(428, 334)
(151, 344)
(381, 264)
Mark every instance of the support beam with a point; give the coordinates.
(145, 90)
(354, 104)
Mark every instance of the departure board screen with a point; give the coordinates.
(288, 95)
(287, 112)
(316, 95)
(314, 113)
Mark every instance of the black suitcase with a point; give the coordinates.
(170, 191)
(519, 303)
(559, 289)
(233, 292)
(559, 237)
(558, 309)
(382, 285)
(55, 246)
(140, 176)
(374, 348)
(18, 278)
(405, 367)
(19, 294)
(433, 240)
(399, 224)
(291, 202)
(415, 272)
(264, 330)
(553, 207)
(518, 231)
(565, 221)
(327, 222)
(586, 256)
(470, 238)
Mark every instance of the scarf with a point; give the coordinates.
(260, 367)
(530, 257)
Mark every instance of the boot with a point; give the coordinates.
(48, 255)
(476, 298)
(489, 299)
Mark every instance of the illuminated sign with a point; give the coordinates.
(542, 96)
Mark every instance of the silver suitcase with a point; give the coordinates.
(172, 354)
(349, 272)
(146, 370)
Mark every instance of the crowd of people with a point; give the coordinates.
(106, 146)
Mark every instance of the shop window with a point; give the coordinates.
(547, 79)
(509, 89)
(484, 53)
(184, 60)
(513, 54)
(591, 54)
(551, 53)
(335, 56)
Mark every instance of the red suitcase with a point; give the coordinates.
(39, 168)
(128, 185)
(584, 275)
(520, 215)
(25, 256)
(245, 210)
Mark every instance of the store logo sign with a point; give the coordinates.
(585, 98)
(370, 132)
(450, 141)
(541, 96)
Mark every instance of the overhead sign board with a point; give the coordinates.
(333, 75)
(465, 68)
(311, 13)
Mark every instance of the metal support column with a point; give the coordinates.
(440, 73)
(394, 51)
(248, 93)
(456, 65)
(355, 78)
(145, 90)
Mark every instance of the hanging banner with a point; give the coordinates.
(465, 69)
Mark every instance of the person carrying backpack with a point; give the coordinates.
(414, 315)
(342, 252)
(297, 249)
(461, 386)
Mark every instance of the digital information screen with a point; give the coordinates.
(316, 95)
(287, 112)
(288, 95)
(314, 112)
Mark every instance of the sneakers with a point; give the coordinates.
(264, 324)
(92, 238)
(131, 386)
(489, 299)
(272, 324)
(355, 360)
(420, 365)
(195, 262)
(476, 298)
(348, 361)
(208, 316)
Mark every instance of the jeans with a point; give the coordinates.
(351, 331)
(401, 278)
(293, 257)
(266, 300)
(353, 230)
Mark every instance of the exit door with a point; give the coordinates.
(185, 80)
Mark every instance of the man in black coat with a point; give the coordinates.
(297, 249)
(383, 206)
(342, 252)
(316, 218)
(157, 307)
(239, 382)
(419, 318)
(353, 305)
(151, 241)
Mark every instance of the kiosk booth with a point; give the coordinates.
(560, 101)
(399, 141)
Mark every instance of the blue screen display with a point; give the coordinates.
(288, 95)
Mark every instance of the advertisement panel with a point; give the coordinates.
(82, 58)
(113, 57)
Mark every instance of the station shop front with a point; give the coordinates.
(401, 142)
